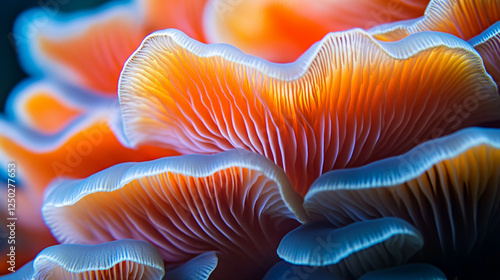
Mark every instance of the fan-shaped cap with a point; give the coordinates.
(348, 101)
(121, 259)
(236, 203)
(353, 250)
(487, 44)
(281, 31)
(416, 271)
(462, 18)
(85, 48)
(449, 188)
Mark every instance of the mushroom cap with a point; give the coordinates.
(352, 250)
(121, 259)
(347, 101)
(487, 44)
(448, 188)
(86, 48)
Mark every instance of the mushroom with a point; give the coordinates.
(346, 102)
(46, 107)
(121, 259)
(82, 49)
(448, 188)
(353, 250)
(236, 203)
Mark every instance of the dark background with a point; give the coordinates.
(10, 71)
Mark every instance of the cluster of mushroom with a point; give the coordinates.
(249, 139)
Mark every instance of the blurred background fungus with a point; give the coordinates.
(10, 69)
